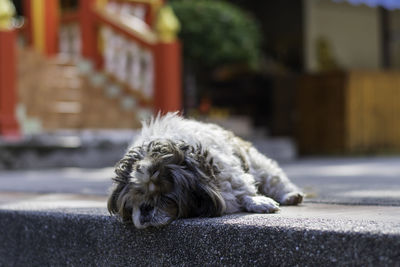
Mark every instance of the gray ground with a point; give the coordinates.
(351, 217)
(352, 189)
(374, 181)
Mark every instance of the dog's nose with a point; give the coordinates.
(145, 213)
(145, 209)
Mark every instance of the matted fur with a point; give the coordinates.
(180, 168)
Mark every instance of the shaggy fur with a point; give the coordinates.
(181, 168)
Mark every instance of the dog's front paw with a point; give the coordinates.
(292, 198)
(260, 204)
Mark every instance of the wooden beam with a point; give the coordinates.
(8, 97)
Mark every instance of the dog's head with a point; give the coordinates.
(158, 182)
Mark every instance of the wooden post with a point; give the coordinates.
(168, 92)
(89, 32)
(52, 24)
(168, 96)
(45, 25)
(8, 123)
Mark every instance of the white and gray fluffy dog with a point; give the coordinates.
(179, 168)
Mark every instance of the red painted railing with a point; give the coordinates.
(8, 123)
(129, 50)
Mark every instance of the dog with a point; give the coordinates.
(180, 168)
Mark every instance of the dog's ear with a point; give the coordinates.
(206, 201)
(118, 202)
(203, 196)
(123, 170)
(113, 205)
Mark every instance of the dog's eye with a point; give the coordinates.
(139, 169)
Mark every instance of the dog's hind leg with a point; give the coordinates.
(271, 179)
(239, 193)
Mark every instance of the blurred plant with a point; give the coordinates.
(216, 33)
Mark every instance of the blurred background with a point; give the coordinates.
(298, 78)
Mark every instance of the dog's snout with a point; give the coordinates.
(145, 213)
(145, 209)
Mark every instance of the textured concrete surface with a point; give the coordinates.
(66, 230)
(351, 217)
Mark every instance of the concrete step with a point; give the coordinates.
(72, 228)
(76, 230)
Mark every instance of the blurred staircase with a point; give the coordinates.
(54, 94)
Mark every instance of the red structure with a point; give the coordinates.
(44, 19)
(8, 123)
(167, 54)
(168, 77)
(88, 30)
(51, 24)
(42, 25)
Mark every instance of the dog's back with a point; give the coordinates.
(174, 127)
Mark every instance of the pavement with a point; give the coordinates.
(367, 181)
(351, 216)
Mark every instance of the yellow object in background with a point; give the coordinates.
(7, 11)
(38, 25)
(101, 3)
(167, 25)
